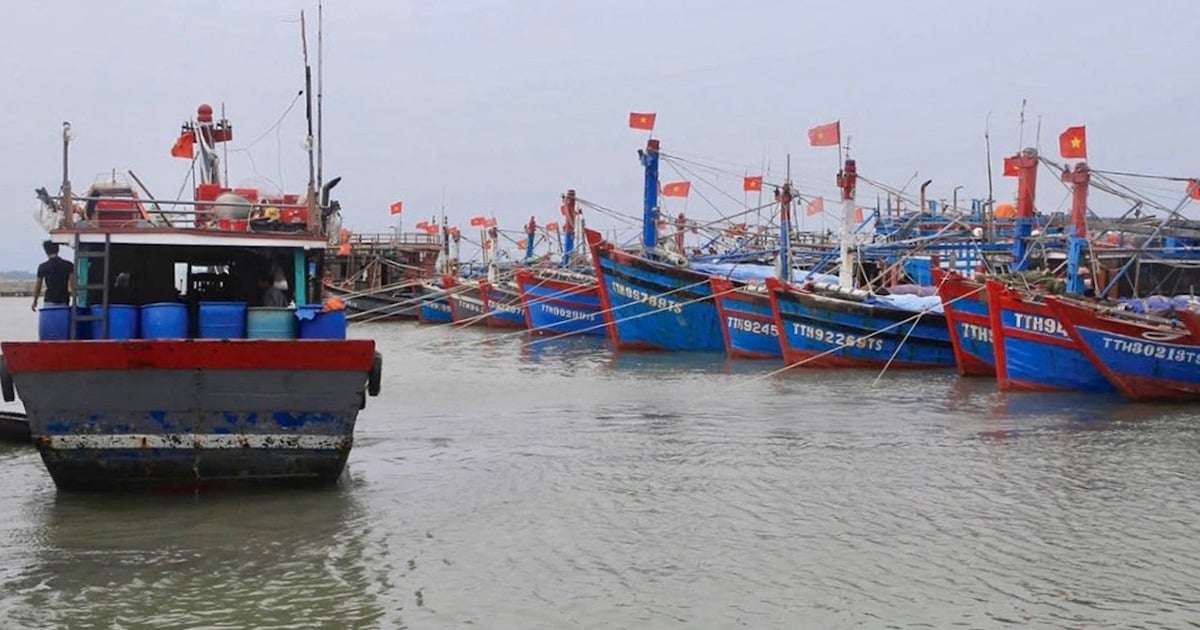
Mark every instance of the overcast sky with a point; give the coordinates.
(503, 105)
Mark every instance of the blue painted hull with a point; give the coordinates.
(1144, 359)
(750, 329)
(828, 331)
(435, 309)
(504, 306)
(558, 307)
(1035, 353)
(657, 306)
(966, 307)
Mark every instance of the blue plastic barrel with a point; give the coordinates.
(164, 320)
(54, 323)
(222, 320)
(315, 324)
(122, 322)
(267, 322)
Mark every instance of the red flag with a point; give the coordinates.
(677, 189)
(643, 121)
(1010, 167)
(563, 209)
(1073, 143)
(816, 206)
(752, 183)
(552, 226)
(453, 229)
(489, 222)
(522, 243)
(480, 221)
(858, 215)
(829, 135)
(397, 207)
(1193, 189)
(183, 145)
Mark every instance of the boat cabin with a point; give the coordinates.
(141, 262)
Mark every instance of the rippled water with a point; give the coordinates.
(499, 483)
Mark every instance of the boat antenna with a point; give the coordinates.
(1021, 127)
(987, 152)
(308, 114)
(320, 83)
(224, 147)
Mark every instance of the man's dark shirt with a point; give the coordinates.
(54, 273)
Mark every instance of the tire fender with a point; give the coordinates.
(6, 382)
(375, 377)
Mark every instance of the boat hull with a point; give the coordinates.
(1032, 348)
(965, 305)
(748, 325)
(504, 309)
(652, 305)
(1144, 361)
(187, 414)
(435, 307)
(830, 332)
(467, 305)
(560, 307)
(379, 306)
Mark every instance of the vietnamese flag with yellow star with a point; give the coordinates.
(816, 206)
(829, 135)
(1072, 144)
(642, 120)
(676, 189)
(752, 183)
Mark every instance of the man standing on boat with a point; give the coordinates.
(271, 295)
(57, 274)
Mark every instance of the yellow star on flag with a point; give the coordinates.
(1076, 142)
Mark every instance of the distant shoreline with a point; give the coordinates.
(16, 288)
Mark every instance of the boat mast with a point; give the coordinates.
(568, 227)
(320, 144)
(649, 159)
(68, 205)
(1027, 162)
(1079, 179)
(784, 197)
(847, 179)
(530, 235)
(312, 223)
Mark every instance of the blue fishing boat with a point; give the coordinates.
(652, 300)
(824, 325)
(747, 323)
(561, 302)
(1032, 349)
(965, 305)
(1145, 357)
(434, 305)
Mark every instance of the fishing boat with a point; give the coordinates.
(502, 303)
(434, 305)
(562, 300)
(822, 324)
(652, 300)
(1147, 358)
(164, 373)
(965, 305)
(747, 323)
(1032, 349)
(468, 306)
